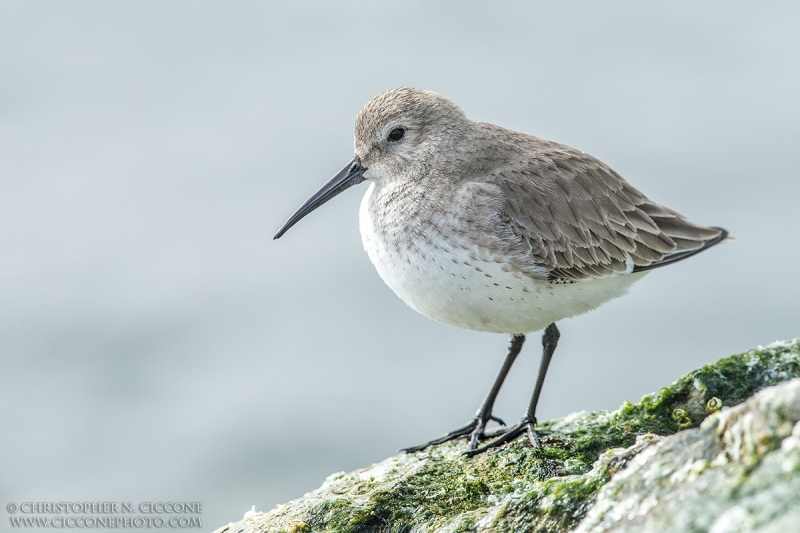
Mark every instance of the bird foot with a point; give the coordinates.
(509, 434)
(475, 430)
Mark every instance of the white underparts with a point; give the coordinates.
(452, 281)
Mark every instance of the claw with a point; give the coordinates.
(474, 431)
(455, 434)
(533, 435)
(497, 419)
(509, 435)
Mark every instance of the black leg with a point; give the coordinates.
(475, 429)
(528, 423)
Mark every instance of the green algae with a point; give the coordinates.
(729, 382)
(521, 488)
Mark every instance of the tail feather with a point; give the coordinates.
(681, 254)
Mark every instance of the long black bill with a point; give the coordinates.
(350, 175)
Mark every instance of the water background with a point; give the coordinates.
(157, 345)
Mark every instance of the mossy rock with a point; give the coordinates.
(555, 488)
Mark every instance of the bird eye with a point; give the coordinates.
(396, 134)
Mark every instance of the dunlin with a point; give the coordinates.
(493, 230)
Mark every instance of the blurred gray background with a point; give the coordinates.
(157, 345)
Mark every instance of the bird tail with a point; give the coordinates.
(689, 243)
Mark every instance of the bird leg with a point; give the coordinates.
(528, 423)
(476, 428)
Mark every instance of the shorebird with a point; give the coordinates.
(489, 229)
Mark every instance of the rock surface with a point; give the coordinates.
(704, 454)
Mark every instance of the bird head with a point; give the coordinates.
(398, 134)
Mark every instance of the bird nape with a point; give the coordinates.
(489, 229)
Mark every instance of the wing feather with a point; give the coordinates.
(579, 219)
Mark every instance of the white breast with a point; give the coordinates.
(448, 279)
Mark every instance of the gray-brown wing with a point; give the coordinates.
(581, 220)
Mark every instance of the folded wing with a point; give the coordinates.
(581, 220)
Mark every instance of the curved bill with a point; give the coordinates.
(351, 174)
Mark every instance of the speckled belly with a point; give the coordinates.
(453, 282)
